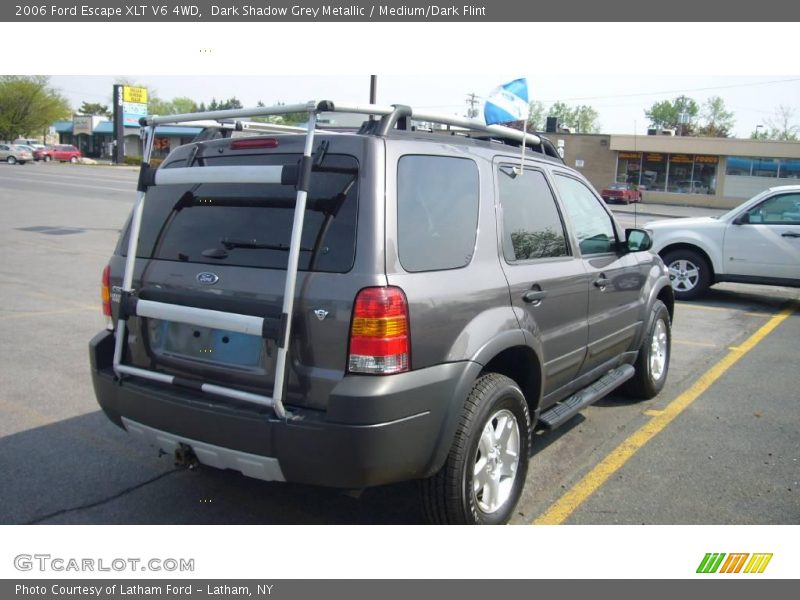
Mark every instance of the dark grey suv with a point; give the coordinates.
(445, 303)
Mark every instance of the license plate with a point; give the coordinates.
(201, 343)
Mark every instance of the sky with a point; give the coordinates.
(621, 100)
(430, 65)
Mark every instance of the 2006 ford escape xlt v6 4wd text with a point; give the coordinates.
(351, 309)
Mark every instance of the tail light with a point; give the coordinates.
(105, 292)
(379, 341)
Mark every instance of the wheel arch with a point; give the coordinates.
(694, 248)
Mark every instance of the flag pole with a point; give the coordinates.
(521, 167)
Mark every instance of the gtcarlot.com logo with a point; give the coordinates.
(46, 562)
(738, 562)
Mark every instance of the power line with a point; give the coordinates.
(702, 89)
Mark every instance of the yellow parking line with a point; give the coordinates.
(560, 510)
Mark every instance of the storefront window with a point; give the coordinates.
(680, 173)
(789, 169)
(654, 171)
(785, 168)
(629, 166)
(705, 172)
(765, 167)
(739, 165)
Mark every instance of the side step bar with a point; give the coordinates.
(565, 410)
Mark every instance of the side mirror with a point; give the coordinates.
(638, 240)
(742, 219)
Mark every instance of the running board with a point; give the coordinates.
(565, 410)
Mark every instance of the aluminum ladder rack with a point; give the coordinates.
(391, 117)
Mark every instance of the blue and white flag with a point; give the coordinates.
(506, 103)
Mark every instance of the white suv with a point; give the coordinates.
(756, 242)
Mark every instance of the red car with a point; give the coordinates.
(621, 192)
(62, 152)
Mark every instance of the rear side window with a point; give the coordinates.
(250, 225)
(437, 212)
(532, 226)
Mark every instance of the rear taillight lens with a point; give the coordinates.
(379, 340)
(105, 291)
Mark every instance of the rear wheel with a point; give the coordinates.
(73, 159)
(652, 363)
(689, 273)
(11, 160)
(485, 471)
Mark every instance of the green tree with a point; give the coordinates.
(94, 108)
(28, 105)
(718, 121)
(783, 126)
(679, 114)
(230, 103)
(536, 116)
(583, 118)
(182, 105)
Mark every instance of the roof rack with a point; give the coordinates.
(395, 116)
(132, 303)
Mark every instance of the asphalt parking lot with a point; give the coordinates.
(718, 446)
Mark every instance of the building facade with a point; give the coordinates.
(714, 172)
(94, 136)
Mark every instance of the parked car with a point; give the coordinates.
(444, 306)
(15, 153)
(62, 152)
(621, 192)
(28, 142)
(45, 154)
(756, 242)
(33, 144)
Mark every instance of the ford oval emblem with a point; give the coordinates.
(207, 278)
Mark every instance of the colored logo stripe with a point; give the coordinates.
(710, 563)
(733, 564)
(758, 563)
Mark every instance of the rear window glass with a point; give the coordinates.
(250, 225)
(437, 212)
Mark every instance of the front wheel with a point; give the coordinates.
(689, 273)
(652, 362)
(73, 159)
(482, 479)
(11, 160)
(48, 158)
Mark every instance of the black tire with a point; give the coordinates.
(48, 158)
(73, 159)
(449, 497)
(689, 273)
(11, 160)
(652, 362)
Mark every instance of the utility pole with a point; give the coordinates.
(472, 100)
(118, 153)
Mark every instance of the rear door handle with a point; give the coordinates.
(534, 297)
(791, 234)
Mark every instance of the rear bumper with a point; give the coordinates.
(376, 430)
